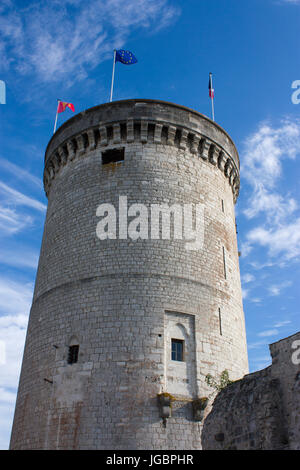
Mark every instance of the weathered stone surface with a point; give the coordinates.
(122, 300)
(261, 411)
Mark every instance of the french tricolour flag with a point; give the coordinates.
(210, 87)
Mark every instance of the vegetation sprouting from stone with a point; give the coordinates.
(222, 383)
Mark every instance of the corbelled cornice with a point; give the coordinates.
(205, 140)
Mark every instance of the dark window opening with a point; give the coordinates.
(151, 130)
(177, 137)
(112, 156)
(110, 133)
(73, 354)
(177, 349)
(164, 135)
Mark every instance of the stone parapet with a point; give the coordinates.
(142, 121)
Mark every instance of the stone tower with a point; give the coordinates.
(126, 324)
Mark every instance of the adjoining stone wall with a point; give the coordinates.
(262, 410)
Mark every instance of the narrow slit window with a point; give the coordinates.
(222, 205)
(224, 262)
(113, 156)
(220, 322)
(177, 349)
(73, 354)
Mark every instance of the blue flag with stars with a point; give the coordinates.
(125, 57)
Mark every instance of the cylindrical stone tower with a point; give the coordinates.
(137, 296)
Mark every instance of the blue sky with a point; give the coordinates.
(63, 49)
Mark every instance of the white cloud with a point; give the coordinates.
(257, 265)
(247, 277)
(267, 333)
(276, 289)
(262, 167)
(48, 39)
(283, 240)
(274, 205)
(282, 323)
(245, 293)
(256, 345)
(293, 2)
(14, 197)
(11, 221)
(15, 298)
(19, 256)
(15, 301)
(6, 413)
(20, 173)
(255, 300)
(7, 396)
(12, 334)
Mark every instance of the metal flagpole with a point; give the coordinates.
(56, 117)
(113, 76)
(212, 98)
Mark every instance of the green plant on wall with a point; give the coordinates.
(222, 383)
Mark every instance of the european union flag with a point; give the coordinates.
(126, 57)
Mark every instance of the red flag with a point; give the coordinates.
(210, 87)
(62, 105)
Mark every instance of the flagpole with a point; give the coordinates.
(212, 99)
(113, 76)
(56, 117)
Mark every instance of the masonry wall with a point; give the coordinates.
(121, 300)
(262, 410)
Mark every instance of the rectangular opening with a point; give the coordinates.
(113, 156)
(73, 354)
(177, 349)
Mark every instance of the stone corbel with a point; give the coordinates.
(164, 403)
(183, 139)
(228, 168)
(157, 133)
(71, 150)
(80, 144)
(236, 187)
(144, 130)
(62, 155)
(213, 155)
(46, 181)
(91, 137)
(171, 135)
(205, 149)
(130, 130)
(195, 144)
(116, 133)
(232, 176)
(51, 171)
(222, 159)
(103, 135)
(55, 160)
(199, 406)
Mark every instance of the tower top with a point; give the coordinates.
(143, 120)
